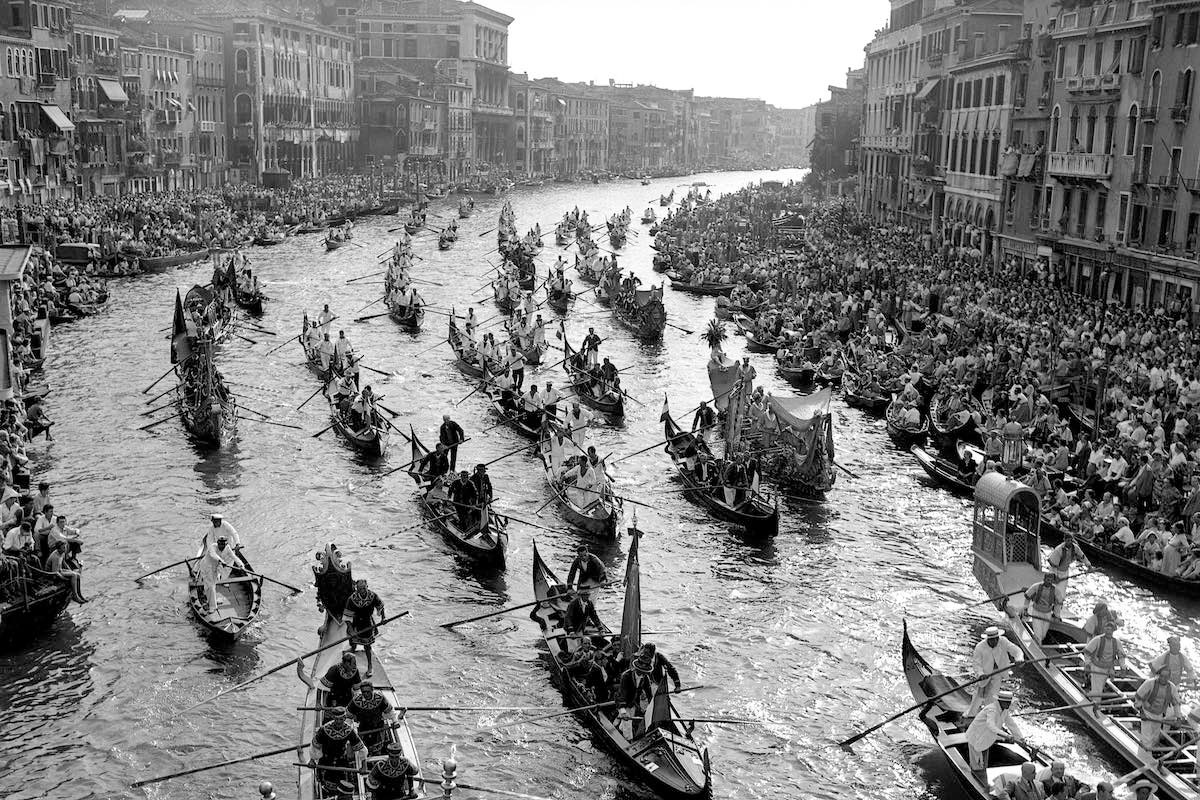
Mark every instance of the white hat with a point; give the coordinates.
(991, 632)
(218, 515)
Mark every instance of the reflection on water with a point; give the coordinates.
(802, 631)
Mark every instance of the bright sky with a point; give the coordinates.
(783, 51)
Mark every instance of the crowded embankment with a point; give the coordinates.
(732, 352)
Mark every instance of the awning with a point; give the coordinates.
(928, 88)
(60, 120)
(112, 91)
(171, 101)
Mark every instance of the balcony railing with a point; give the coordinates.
(1149, 114)
(1181, 113)
(1093, 166)
(47, 80)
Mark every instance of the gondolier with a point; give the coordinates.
(392, 778)
(993, 724)
(1157, 701)
(361, 607)
(591, 348)
(221, 527)
(463, 495)
(216, 554)
(340, 680)
(992, 652)
(451, 435)
(1061, 559)
(1042, 606)
(1103, 655)
(371, 711)
(1175, 662)
(336, 744)
(589, 569)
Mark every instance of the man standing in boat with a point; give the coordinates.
(392, 778)
(993, 724)
(588, 568)
(371, 711)
(332, 746)
(361, 607)
(451, 435)
(993, 652)
(216, 554)
(1157, 701)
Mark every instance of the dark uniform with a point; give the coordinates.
(590, 568)
(370, 713)
(451, 434)
(338, 742)
(340, 684)
(361, 607)
(392, 779)
(463, 494)
(434, 465)
(580, 614)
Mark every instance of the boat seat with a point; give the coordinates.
(242, 579)
(954, 740)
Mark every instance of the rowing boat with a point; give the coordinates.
(943, 472)
(334, 244)
(945, 429)
(252, 302)
(856, 394)
(905, 436)
(597, 512)
(489, 545)
(592, 391)
(662, 754)
(371, 442)
(754, 513)
(943, 718)
(308, 786)
(239, 598)
(408, 316)
(1141, 573)
(470, 364)
(520, 421)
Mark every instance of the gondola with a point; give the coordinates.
(755, 514)
(334, 244)
(560, 301)
(372, 442)
(705, 289)
(506, 304)
(252, 302)
(946, 433)
(519, 421)
(239, 598)
(944, 473)
(754, 343)
(164, 263)
(412, 227)
(208, 411)
(856, 394)
(903, 436)
(408, 316)
(803, 375)
(313, 360)
(600, 515)
(489, 545)
(470, 365)
(943, 718)
(591, 391)
(1136, 570)
(666, 758)
(268, 241)
(31, 601)
(308, 788)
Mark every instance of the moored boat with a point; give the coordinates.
(164, 263)
(858, 394)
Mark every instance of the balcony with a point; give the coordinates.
(1149, 114)
(47, 80)
(1181, 113)
(480, 107)
(105, 63)
(934, 59)
(1139, 177)
(163, 117)
(1081, 166)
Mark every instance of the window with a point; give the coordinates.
(1060, 62)
(987, 92)
(999, 98)
(453, 30)
(410, 48)
(1183, 91)
(1073, 136)
(241, 111)
(1101, 210)
(1137, 54)
(1156, 33)
(1115, 66)
(410, 27)
(1080, 57)
(1110, 123)
(1166, 228)
(1176, 159)
(1098, 59)
(1155, 89)
(1122, 214)
(1193, 230)
(1055, 119)
(451, 48)
(241, 61)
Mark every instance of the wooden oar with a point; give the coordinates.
(854, 475)
(159, 422)
(725, 720)
(364, 277)
(285, 344)
(449, 708)
(272, 580)
(287, 664)
(269, 422)
(435, 347)
(311, 396)
(1072, 707)
(161, 394)
(291, 748)
(163, 569)
(368, 305)
(571, 711)
(1155, 764)
(1022, 591)
(156, 410)
(371, 316)
(862, 734)
(160, 377)
(323, 431)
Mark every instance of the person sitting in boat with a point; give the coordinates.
(393, 777)
(910, 417)
(581, 615)
(335, 744)
(586, 667)
(1101, 615)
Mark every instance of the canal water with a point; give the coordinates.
(802, 633)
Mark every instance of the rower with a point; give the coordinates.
(371, 711)
(221, 527)
(993, 652)
(577, 423)
(332, 746)
(610, 374)
(392, 778)
(590, 569)
(705, 417)
(216, 554)
(462, 493)
(451, 435)
(361, 607)
(639, 692)
(1042, 605)
(1157, 701)
(1175, 662)
(435, 464)
(550, 400)
(993, 723)
(324, 318)
(1102, 656)
(1094, 625)
(340, 679)
(591, 348)
(325, 350)
(581, 615)
(1061, 558)
(516, 366)
(342, 348)
(483, 490)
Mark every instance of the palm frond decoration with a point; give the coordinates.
(715, 334)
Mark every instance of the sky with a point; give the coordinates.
(786, 52)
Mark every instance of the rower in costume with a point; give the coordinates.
(392, 778)
(361, 608)
(371, 711)
(340, 680)
(336, 744)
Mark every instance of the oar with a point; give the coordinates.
(311, 396)
(449, 708)
(156, 410)
(243, 338)
(1072, 707)
(368, 305)
(489, 230)
(372, 369)
(287, 664)
(159, 422)
(269, 422)
(845, 744)
(323, 431)
(1022, 591)
(571, 711)
(371, 316)
(676, 327)
(725, 721)
(163, 569)
(435, 347)
(468, 787)
(285, 344)
(854, 475)
(160, 377)
(456, 623)
(408, 528)
(291, 748)
(272, 580)
(1128, 776)
(161, 394)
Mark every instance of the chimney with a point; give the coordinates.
(1002, 36)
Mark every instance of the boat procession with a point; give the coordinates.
(492, 495)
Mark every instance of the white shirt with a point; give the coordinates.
(989, 726)
(989, 659)
(213, 533)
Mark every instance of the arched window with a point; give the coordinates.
(9, 54)
(1073, 134)
(1055, 118)
(1155, 89)
(241, 61)
(241, 112)
(1110, 122)
(1089, 141)
(1131, 130)
(1183, 93)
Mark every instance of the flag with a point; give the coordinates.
(181, 348)
(666, 412)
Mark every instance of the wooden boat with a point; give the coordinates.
(803, 375)
(308, 787)
(268, 241)
(313, 360)
(206, 408)
(1005, 541)
(489, 545)
(334, 244)
(252, 302)
(600, 515)
(593, 393)
(704, 289)
(239, 598)
(310, 228)
(1101, 553)
(945, 432)
(642, 312)
(408, 316)
(666, 758)
(903, 436)
(412, 227)
(755, 514)
(164, 263)
(560, 301)
(944, 472)
(754, 342)
(31, 601)
(372, 442)
(471, 365)
(943, 718)
(507, 304)
(521, 422)
(855, 394)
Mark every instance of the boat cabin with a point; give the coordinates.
(1005, 535)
